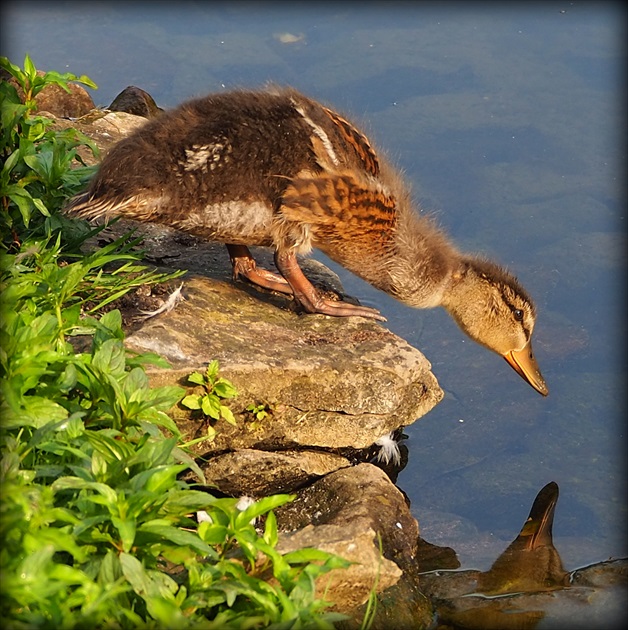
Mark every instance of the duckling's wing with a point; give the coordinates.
(349, 220)
(357, 141)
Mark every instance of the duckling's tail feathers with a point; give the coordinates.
(86, 206)
(79, 206)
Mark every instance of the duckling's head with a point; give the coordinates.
(490, 305)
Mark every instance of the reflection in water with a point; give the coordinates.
(531, 561)
(527, 585)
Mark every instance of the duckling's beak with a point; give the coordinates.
(523, 362)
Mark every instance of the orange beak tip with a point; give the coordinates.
(524, 363)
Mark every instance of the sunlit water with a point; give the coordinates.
(508, 123)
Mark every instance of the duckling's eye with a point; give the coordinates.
(518, 313)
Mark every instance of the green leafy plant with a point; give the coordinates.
(112, 541)
(40, 167)
(217, 389)
(32, 83)
(43, 304)
(260, 411)
(98, 528)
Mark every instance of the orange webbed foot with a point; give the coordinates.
(310, 298)
(244, 266)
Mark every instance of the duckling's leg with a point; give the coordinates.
(310, 299)
(244, 265)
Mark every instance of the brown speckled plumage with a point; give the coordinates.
(276, 168)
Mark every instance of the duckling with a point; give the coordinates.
(275, 168)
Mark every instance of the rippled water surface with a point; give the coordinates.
(508, 123)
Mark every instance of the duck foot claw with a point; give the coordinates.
(244, 266)
(337, 309)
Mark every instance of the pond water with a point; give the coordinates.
(506, 119)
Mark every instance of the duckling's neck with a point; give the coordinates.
(423, 264)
